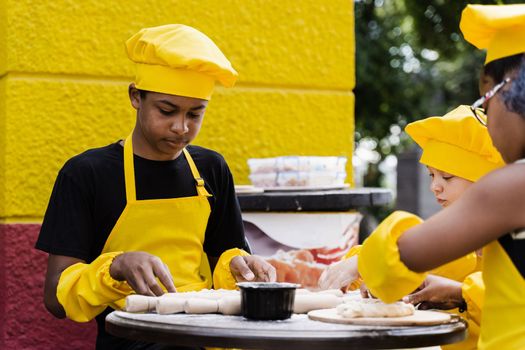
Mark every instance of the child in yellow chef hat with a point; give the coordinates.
(488, 215)
(457, 151)
(152, 212)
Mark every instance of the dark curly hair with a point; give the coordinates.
(499, 68)
(514, 98)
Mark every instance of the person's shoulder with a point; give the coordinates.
(205, 155)
(511, 175)
(504, 185)
(93, 158)
(503, 190)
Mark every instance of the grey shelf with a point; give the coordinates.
(331, 200)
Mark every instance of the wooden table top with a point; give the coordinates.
(298, 332)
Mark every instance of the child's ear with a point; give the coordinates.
(134, 95)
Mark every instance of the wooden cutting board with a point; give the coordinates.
(419, 318)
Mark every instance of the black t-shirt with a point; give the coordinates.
(89, 195)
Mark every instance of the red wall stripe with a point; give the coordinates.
(24, 320)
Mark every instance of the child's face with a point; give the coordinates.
(446, 187)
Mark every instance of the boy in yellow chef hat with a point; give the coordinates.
(457, 151)
(150, 213)
(487, 215)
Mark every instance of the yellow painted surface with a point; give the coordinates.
(272, 122)
(2, 145)
(3, 38)
(290, 42)
(65, 77)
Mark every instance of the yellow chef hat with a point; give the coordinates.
(178, 60)
(500, 29)
(456, 143)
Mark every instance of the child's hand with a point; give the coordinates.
(253, 269)
(436, 293)
(340, 274)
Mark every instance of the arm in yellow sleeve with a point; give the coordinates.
(473, 291)
(379, 263)
(85, 290)
(222, 276)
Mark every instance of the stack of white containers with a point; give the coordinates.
(297, 171)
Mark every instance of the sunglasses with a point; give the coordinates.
(477, 107)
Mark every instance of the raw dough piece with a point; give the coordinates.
(203, 294)
(230, 305)
(201, 306)
(314, 301)
(353, 309)
(170, 305)
(140, 303)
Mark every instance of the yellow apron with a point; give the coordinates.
(172, 229)
(503, 313)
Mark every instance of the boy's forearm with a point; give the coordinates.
(50, 297)
(85, 290)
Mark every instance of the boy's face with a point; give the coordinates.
(167, 123)
(446, 187)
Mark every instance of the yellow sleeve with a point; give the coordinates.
(473, 291)
(458, 269)
(85, 290)
(222, 276)
(379, 263)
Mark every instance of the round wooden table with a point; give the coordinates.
(296, 333)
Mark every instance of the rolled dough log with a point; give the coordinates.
(166, 306)
(140, 303)
(203, 294)
(315, 301)
(201, 306)
(230, 305)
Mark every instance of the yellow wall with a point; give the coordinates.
(64, 77)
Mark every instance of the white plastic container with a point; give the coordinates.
(297, 163)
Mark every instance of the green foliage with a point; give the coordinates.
(411, 62)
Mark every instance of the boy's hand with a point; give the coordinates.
(252, 269)
(340, 274)
(141, 270)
